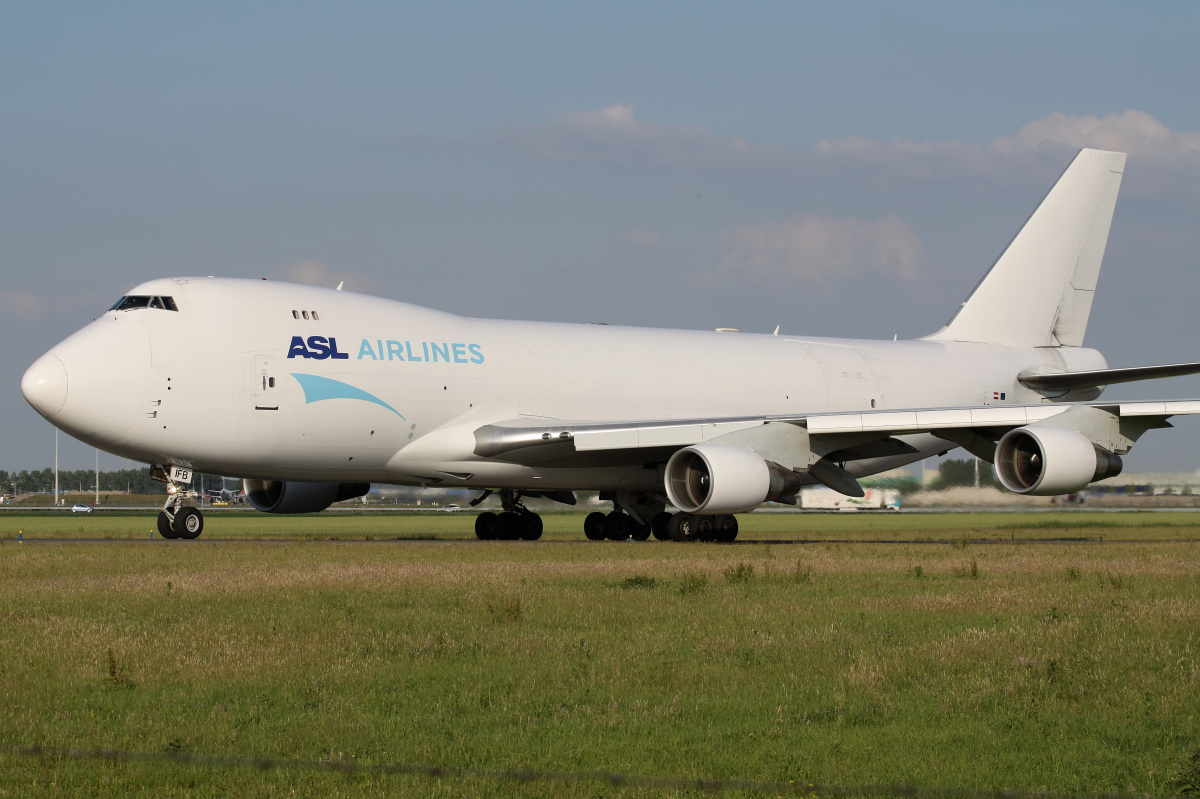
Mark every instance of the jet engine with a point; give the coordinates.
(717, 478)
(1045, 461)
(276, 496)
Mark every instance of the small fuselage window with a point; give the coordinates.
(135, 301)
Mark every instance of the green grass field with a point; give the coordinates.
(1068, 667)
(409, 525)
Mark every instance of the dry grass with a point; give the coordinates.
(1068, 666)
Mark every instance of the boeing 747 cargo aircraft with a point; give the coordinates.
(331, 391)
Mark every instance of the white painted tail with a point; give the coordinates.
(1039, 292)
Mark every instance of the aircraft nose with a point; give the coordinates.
(45, 385)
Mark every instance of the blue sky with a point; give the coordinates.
(670, 164)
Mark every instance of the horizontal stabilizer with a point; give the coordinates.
(1067, 381)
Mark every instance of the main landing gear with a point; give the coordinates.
(627, 520)
(700, 527)
(177, 520)
(616, 525)
(620, 526)
(515, 522)
(638, 515)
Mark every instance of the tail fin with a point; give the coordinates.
(1039, 292)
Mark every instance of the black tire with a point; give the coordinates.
(682, 527)
(164, 525)
(531, 527)
(593, 526)
(508, 526)
(659, 525)
(485, 526)
(189, 523)
(706, 528)
(727, 528)
(640, 532)
(617, 526)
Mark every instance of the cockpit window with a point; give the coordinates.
(129, 303)
(134, 301)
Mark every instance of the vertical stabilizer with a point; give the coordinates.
(1039, 292)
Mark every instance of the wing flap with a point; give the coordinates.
(1165, 408)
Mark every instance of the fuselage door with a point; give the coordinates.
(264, 383)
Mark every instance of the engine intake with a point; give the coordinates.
(717, 478)
(277, 496)
(1045, 461)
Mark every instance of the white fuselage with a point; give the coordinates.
(234, 383)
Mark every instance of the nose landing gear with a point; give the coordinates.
(176, 520)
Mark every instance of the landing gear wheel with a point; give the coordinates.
(682, 527)
(726, 528)
(531, 527)
(508, 526)
(485, 526)
(593, 526)
(640, 532)
(705, 530)
(164, 525)
(189, 523)
(617, 526)
(659, 524)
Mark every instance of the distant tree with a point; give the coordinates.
(905, 485)
(962, 473)
(136, 481)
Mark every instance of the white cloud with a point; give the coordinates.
(315, 273)
(1133, 132)
(20, 305)
(819, 248)
(644, 238)
(1163, 162)
(614, 135)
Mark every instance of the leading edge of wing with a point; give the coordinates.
(493, 440)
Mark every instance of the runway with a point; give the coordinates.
(581, 542)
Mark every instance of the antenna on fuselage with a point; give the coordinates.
(340, 284)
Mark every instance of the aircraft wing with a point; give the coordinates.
(824, 435)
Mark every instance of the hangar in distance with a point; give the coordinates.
(331, 391)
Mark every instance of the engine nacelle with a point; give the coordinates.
(1045, 461)
(717, 478)
(276, 496)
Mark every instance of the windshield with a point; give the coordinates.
(133, 301)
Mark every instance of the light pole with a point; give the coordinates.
(97, 475)
(56, 467)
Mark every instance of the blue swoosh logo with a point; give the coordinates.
(317, 388)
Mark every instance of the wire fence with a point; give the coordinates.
(611, 778)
